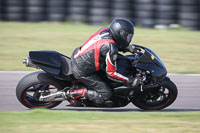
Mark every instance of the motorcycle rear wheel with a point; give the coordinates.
(29, 88)
(157, 99)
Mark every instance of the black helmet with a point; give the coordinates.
(122, 31)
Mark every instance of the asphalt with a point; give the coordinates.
(188, 98)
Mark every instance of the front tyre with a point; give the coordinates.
(158, 98)
(32, 85)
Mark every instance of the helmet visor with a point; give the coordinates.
(129, 38)
(126, 36)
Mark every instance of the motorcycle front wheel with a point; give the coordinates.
(158, 98)
(32, 85)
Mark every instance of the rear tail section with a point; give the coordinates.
(51, 62)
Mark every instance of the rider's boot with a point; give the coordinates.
(74, 94)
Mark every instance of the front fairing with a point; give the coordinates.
(149, 61)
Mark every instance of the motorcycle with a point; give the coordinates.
(47, 88)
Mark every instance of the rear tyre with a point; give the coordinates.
(157, 99)
(30, 87)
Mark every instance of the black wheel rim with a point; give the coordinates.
(31, 94)
(155, 99)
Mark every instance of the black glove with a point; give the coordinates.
(134, 82)
(133, 49)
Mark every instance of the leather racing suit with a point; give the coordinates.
(99, 52)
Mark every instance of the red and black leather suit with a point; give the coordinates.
(99, 52)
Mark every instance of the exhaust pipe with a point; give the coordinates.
(28, 62)
(57, 96)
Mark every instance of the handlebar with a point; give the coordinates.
(133, 48)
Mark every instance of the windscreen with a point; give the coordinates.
(149, 57)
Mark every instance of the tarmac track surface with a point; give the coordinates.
(188, 98)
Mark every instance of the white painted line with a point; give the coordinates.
(174, 74)
(16, 71)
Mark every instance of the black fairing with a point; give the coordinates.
(52, 62)
(124, 65)
(149, 61)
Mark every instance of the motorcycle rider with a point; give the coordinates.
(99, 52)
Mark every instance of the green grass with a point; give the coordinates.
(46, 121)
(179, 49)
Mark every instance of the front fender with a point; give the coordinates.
(165, 80)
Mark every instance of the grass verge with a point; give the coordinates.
(47, 121)
(179, 49)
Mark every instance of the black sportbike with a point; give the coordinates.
(47, 88)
